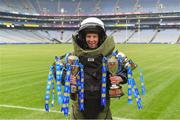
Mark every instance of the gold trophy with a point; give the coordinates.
(115, 90)
(73, 61)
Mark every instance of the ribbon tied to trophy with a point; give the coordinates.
(60, 74)
(70, 67)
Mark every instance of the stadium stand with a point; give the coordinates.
(120, 36)
(167, 36)
(73, 6)
(21, 36)
(142, 36)
(34, 36)
(54, 21)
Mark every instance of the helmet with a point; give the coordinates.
(91, 25)
(91, 21)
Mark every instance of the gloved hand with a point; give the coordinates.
(73, 80)
(116, 79)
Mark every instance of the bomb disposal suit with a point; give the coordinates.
(92, 61)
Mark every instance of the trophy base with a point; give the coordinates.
(114, 87)
(73, 94)
(73, 88)
(116, 93)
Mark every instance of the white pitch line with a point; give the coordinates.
(28, 108)
(42, 110)
(118, 118)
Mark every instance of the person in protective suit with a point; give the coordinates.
(90, 44)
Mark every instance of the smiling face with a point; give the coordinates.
(92, 40)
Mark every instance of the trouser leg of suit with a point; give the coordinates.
(76, 114)
(105, 114)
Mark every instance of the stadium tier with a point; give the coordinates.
(54, 21)
(142, 36)
(121, 36)
(34, 36)
(167, 36)
(94, 6)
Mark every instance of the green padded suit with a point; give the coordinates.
(92, 61)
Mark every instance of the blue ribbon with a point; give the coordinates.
(65, 106)
(79, 86)
(132, 88)
(53, 92)
(59, 72)
(66, 97)
(136, 94)
(129, 72)
(48, 88)
(143, 90)
(115, 53)
(81, 93)
(103, 87)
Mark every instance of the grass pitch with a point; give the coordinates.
(24, 69)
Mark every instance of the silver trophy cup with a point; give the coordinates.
(115, 90)
(74, 70)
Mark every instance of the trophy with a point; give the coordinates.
(126, 61)
(73, 61)
(115, 90)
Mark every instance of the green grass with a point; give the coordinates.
(24, 68)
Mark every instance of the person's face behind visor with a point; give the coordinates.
(92, 40)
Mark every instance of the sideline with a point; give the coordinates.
(42, 110)
(28, 108)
